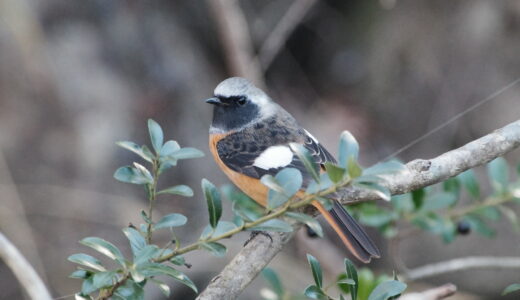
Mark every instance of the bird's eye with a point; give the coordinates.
(242, 101)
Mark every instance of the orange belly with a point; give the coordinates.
(250, 186)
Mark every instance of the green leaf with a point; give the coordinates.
(215, 248)
(79, 296)
(290, 179)
(130, 291)
(402, 203)
(144, 172)
(316, 270)
(145, 254)
(156, 135)
(178, 260)
(103, 279)
(511, 288)
(222, 227)
(336, 174)
(306, 160)
(165, 289)
(353, 168)
(418, 198)
(438, 202)
(145, 217)
(274, 281)
(87, 261)
(347, 281)
(499, 174)
(105, 248)
(348, 147)
(182, 190)
(130, 174)
(273, 225)
(387, 290)
(169, 148)
(375, 216)
(351, 272)
(511, 216)
(470, 183)
(171, 220)
(155, 269)
(80, 274)
(452, 185)
(388, 167)
(214, 203)
(187, 153)
(242, 206)
(320, 185)
(315, 292)
(307, 220)
(271, 182)
(137, 241)
(87, 287)
(490, 213)
(136, 149)
(480, 226)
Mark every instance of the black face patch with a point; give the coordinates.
(234, 113)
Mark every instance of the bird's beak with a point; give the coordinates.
(214, 101)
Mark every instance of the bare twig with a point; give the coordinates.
(276, 39)
(419, 173)
(437, 293)
(13, 218)
(465, 263)
(235, 39)
(21, 268)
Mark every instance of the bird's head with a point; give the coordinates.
(237, 104)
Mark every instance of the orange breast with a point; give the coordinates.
(251, 186)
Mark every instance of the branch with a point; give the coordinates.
(459, 264)
(21, 268)
(437, 293)
(235, 39)
(274, 42)
(420, 173)
(244, 267)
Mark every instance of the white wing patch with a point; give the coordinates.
(312, 137)
(274, 157)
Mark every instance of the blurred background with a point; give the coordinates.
(77, 76)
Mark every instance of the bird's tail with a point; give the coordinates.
(350, 232)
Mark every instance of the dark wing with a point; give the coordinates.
(239, 154)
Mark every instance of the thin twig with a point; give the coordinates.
(276, 39)
(23, 271)
(465, 263)
(235, 39)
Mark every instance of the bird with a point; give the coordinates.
(250, 136)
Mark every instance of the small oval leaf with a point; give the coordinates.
(213, 200)
(156, 135)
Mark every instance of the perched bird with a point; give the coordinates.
(249, 138)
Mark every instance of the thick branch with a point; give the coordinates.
(21, 268)
(244, 267)
(420, 173)
(465, 263)
(441, 292)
